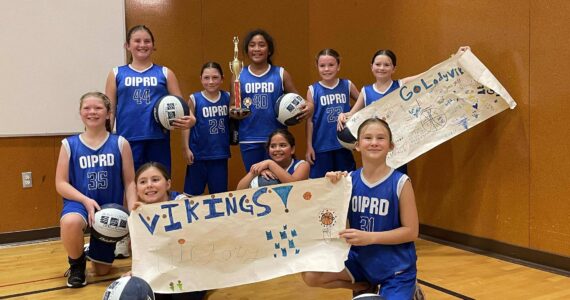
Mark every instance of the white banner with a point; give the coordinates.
(443, 102)
(240, 237)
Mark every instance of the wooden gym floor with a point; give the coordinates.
(35, 271)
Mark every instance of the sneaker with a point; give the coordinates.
(123, 248)
(371, 289)
(76, 274)
(419, 294)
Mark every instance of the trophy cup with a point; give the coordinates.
(235, 67)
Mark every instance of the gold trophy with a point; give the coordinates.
(236, 66)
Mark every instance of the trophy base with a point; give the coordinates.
(242, 111)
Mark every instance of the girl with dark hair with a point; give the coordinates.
(261, 84)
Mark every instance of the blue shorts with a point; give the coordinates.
(398, 286)
(252, 153)
(99, 252)
(334, 160)
(151, 150)
(213, 172)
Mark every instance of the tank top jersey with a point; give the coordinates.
(264, 90)
(137, 93)
(329, 103)
(210, 137)
(375, 207)
(294, 164)
(96, 172)
(371, 94)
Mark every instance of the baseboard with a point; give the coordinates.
(29, 235)
(529, 257)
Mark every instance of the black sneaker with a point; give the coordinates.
(76, 276)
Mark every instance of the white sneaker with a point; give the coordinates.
(123, 248)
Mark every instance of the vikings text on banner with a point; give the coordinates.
(240, 237)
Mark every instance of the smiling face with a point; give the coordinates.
(152, 186)
(258, 50)
(280, 150)
(382, 67)
(93, 112)
(374, 141)
(211, 80)
(328, 67)
(140, 45)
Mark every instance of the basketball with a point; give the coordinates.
(129, 288)
(110, 223)
(346, 138)
(287, 108)
(368, 296)
(260, 181)
(169, 108)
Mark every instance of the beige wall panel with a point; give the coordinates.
(36, 207)
(549, 163)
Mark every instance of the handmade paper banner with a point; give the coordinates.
(443, 102)
(240, 237)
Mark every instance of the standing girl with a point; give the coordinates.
(153, 186)
(383, 228)
(282, 164)
(134, 89)
(263, 83)
(383, 66)
(209, 150)
(85, 181)
(330, 97)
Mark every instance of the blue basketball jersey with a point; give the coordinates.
(264, 90)
(329, 103)
(137, 93)
(210, 137)
(371, 94)
(374, 207)
(294, 164)
(96, 172)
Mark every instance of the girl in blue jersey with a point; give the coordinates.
(383, 223)
(134, 89)
(383, 67)
(94, 168)
(330, 97)
(281, 165)
(261, 84)
(153, 186)
(207, 148)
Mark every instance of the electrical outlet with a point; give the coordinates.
(26, 180)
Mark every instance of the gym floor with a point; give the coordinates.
(35, 271)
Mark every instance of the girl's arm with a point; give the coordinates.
(66, 190)
(129, 175)
(111, 92)
(174, 89)
(301, 172)
(354, 92)
(343, 117)
(245, 181)
(188, 155)
(310, 153)
(408, 232)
